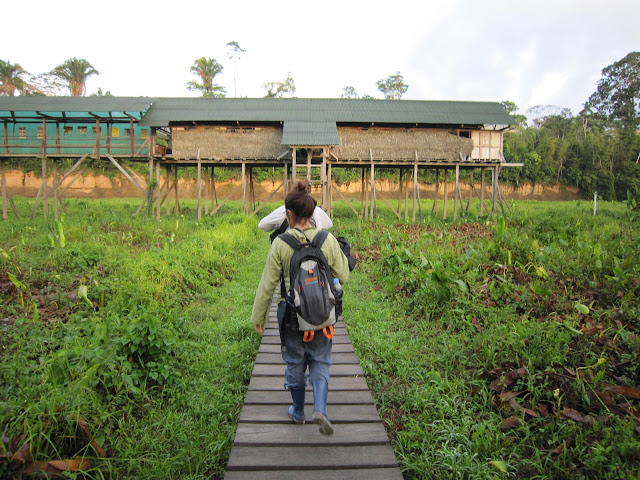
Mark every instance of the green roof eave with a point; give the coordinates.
(167, 111)
(309, 133)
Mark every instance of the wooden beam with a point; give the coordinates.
(416, 190)
(293, 166)
(124, 172)
(268, 198)
(446, 193)
(64, 177)
(456, 193)
(3, 182)
(482, 191)
(244, 188)
(323, 179)
(225, 200)
(435, 197)
(359, 215)
(397, 214)
(199, 188)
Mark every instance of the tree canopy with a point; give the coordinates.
(393, 86)
(11, 78)
(75, 73)
(207, 69)
(280, 89)
(617, 96)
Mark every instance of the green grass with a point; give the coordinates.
(479, 338)
(439, 313)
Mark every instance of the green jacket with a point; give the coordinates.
(278, 262)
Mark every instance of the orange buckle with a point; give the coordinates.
(308, 336)
(328, 334)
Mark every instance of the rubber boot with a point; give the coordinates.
(320, 392)
(296, 411)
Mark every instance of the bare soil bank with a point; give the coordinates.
(99, 186)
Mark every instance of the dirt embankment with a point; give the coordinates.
(99, 186)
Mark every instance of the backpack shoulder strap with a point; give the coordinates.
(290, 240)
(319, 239)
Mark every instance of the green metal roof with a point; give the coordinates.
(166, 111)
(300, 132)
(35, 108)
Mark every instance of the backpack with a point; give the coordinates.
(281, 229)
(346, 249)
(311, 297)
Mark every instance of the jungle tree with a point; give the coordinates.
(393, 86)
(11, 78)
(234, 52)
(280, 89)
(75, 73)
(207, 69)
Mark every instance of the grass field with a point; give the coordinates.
(503, 348)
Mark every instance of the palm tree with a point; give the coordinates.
(207, 69)
(11, 78)
(75, 72)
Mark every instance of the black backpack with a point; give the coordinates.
(311, 297)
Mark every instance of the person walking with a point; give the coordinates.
(298, 354)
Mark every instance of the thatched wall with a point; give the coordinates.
(400, 144)
(227, 142)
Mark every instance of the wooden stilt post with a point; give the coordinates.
(293, 165)
(157, 190)
(482, 191)
(199, 187)
(3, 167)
(415, 188)
(286, 179)
(406, 197)
(456, 193)
(176, 207)
(364, 212)
(309, 155)
(168, 194)
(373, 186)
(494, 178)
(56, 212)
(330, 189)
(437, 192)
(446, 193)
(373, 191)
(149, 189)
(323, 180)
(252, 192)
(45, 201)
(399, 189)
(471, 190)
(244, 187)
(212, 191)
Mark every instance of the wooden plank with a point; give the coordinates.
(336, 332)
(276, 383)
(336, 358)
(283, 397)
(360, 474)
(275, 348)
(292, 435)
(336, 370)
(275, 339)
(311, 458)
(337, 414)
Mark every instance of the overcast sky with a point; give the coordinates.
(547, 52)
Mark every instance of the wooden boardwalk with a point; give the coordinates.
(269, 446)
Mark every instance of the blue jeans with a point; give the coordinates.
(298, 355)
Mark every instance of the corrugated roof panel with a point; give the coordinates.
(165, 111)
(61, 107)
(309, 133)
